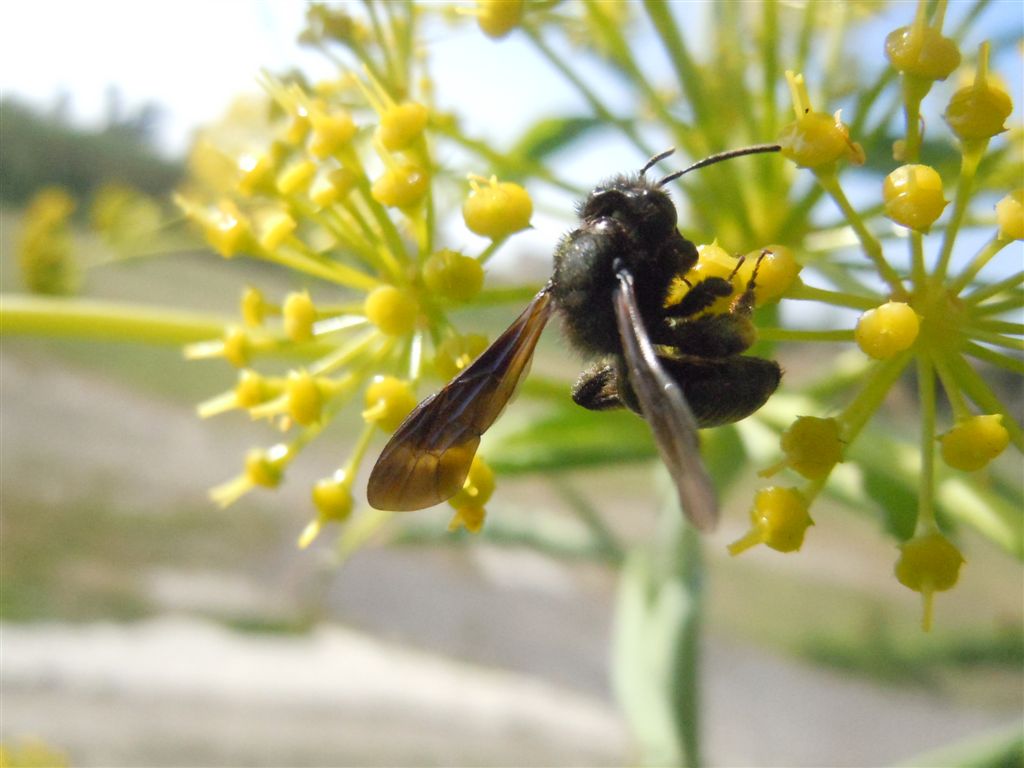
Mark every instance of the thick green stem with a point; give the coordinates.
(104, 320)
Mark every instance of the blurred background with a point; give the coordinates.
(142, 626)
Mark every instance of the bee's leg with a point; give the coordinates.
(597, 388)
(700, 296)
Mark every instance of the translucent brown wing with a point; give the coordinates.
(665, 409)
(428, 457)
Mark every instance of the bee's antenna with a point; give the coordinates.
(754, 150)
(656, 159)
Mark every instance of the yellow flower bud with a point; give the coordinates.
(332, 497)
(236, 347)
(262, 469)
(251, 389)
(305, 398)
(388, 402)
(779, 520)
(401, 124)
(498, 17)
(332, 187)
(776, 272)
(887, 330)
(974, 442)
(812, 446)
(1010, 215)
(469, 516)
(979, 110)
(496, 210)
(928, 564)
(330, 132)
(922, 51)
(816, 139)
(478, 488)
(254, 307)
(913, 196)
(401, 186)
(256, 173)
(275, 228)
(391, 309)
(452, 275)
(299, 314)
(227, 230)
(296, 177)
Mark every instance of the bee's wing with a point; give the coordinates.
(665, 409)
(428, 457)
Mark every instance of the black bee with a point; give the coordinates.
(678, 368)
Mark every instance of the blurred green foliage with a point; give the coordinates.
(41, 149)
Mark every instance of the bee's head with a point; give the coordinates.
(640, 205)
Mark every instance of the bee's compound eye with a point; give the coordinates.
(604, 202)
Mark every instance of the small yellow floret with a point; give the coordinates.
(928, 564)
(401, 186)
(979, 110)
(974, 442)
(251, 389)
(469, 516)
(453, 275)
(777, 270)
(498, 17)
(256, 173)
(913, 196)
(227, 230)
(401, 124)
(332, 497)
(922, 51)
(275, 228)
(299, 314)
(817, 139)
(305, 398)
(478, 488)
(236, 346)
(254, 307)
(391, 309)
(296, 177)
(332, 187)
(496, 209)
(812, 446)
(262, 469)
(388, 402)
(779, 520)
(1010, 215)
(330, 132)
(887, 330)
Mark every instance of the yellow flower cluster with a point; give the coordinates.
(929, 319)
(342, 193)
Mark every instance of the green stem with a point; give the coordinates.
(997, 339)
(990, 249)
(1014, 303)
(956, 398)
(791, 334)
(868, 400)
(995, 288)
(992, 357)
(972, 153)
(804, 292)
(872, 247)
(104, 320)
